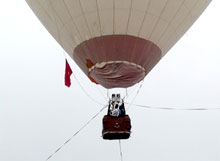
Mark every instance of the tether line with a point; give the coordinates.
(58, 149)
(174, 109)
(120, 150)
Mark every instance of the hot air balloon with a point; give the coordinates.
(116, 43)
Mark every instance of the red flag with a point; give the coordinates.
(68, 73)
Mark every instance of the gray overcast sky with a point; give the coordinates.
(38, 113)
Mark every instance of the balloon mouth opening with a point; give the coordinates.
(114, 74)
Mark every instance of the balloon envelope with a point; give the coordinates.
(117, 42)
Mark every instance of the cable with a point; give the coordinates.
(58, 149)
(120, 150)
(176, 109)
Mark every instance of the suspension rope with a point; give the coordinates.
(176, 109)
(101, 93)
(58, 149)
(138, 91)
(126, 90)
(130, 93)
(108, 94)
(120, 150)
